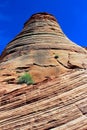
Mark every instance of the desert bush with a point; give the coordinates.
(26, 78)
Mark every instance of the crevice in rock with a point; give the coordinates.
(69, 65)
(83, 110)
(10, 81)
(44, 65)
(11, 51)
(6, 75)
(62, 64)
(31, 34)
(23, 67)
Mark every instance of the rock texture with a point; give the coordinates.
(58, 99)
(35, 48)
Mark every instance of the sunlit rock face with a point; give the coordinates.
(43, 50)
(40, 32)
(58, 98)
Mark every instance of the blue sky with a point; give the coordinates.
(71, 15)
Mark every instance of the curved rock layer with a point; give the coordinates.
(58, 98)
(40, 32)
(58, 104)
(42, 47)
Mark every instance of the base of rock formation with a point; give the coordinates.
(56, 104)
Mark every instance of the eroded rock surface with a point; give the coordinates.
(58, 99)
(36, 47)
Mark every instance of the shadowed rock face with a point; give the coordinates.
(58, 100)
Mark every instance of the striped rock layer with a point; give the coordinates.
(58, 99)
(42, 47)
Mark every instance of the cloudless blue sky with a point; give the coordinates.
(71, 15)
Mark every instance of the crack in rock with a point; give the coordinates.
(44, 65)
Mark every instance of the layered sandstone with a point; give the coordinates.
(37, 45)
(58, 104)
(58, 99)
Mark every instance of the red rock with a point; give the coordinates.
(58, 99)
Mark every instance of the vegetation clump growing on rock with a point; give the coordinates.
(26, 78)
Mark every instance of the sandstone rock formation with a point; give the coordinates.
(86, 48)
(58, 99)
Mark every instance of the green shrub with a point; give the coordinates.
(26, 78)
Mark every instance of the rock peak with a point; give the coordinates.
(41, 15)
(41, 31)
